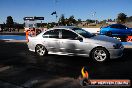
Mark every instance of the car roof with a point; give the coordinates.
(116, 24)
(66, 27)
(60, 27)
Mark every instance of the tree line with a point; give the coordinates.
(121, 18)
(10, 25)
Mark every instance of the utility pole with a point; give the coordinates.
(93, 14)
(56, 2)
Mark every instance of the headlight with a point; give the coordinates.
(118, 46)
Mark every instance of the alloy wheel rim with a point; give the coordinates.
(40, 50)
(100, 55)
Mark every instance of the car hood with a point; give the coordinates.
(130, 29)
(105, 39)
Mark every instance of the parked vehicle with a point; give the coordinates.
(75, 41)
(116, 30)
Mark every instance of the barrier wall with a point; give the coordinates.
(92, 30)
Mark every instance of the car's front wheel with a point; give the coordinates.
(40, 50)
(100, 54)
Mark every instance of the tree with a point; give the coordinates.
(109, 20)
(3, 26)
(71, 20)
(9, 22)
(79, 21)
(67, 21)
(62, 20)
(103, 22)
(90, 21)
(18, 26)
(121, 18)
(129, 19)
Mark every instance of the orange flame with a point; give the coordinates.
(84, 73)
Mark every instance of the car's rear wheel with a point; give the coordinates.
(124, 38)
(100, 54)
(41, 50)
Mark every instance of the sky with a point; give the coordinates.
(80, 9)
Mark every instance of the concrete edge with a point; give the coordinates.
(14, 41)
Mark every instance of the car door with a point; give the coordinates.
(124, 30)
(115, 29)
(71, 43)
(51, 40)
(119, 30)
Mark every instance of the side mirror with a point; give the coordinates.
(79, 38)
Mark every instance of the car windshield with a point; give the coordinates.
(82, 32)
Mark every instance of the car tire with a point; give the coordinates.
(40, 50)
(100, 54)
(124, 39)
(109, 33)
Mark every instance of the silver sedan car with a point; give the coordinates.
(75, 41)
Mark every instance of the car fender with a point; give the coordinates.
(104, 31)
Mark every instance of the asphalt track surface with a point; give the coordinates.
(20, 68)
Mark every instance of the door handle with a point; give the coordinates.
(55, 40)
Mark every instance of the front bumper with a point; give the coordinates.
(116, 53)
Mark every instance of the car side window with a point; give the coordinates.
(118, 26)
(51, 34)
(114, 26)
(66, 34)
(122, 27)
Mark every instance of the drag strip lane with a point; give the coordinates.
(26, 69)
